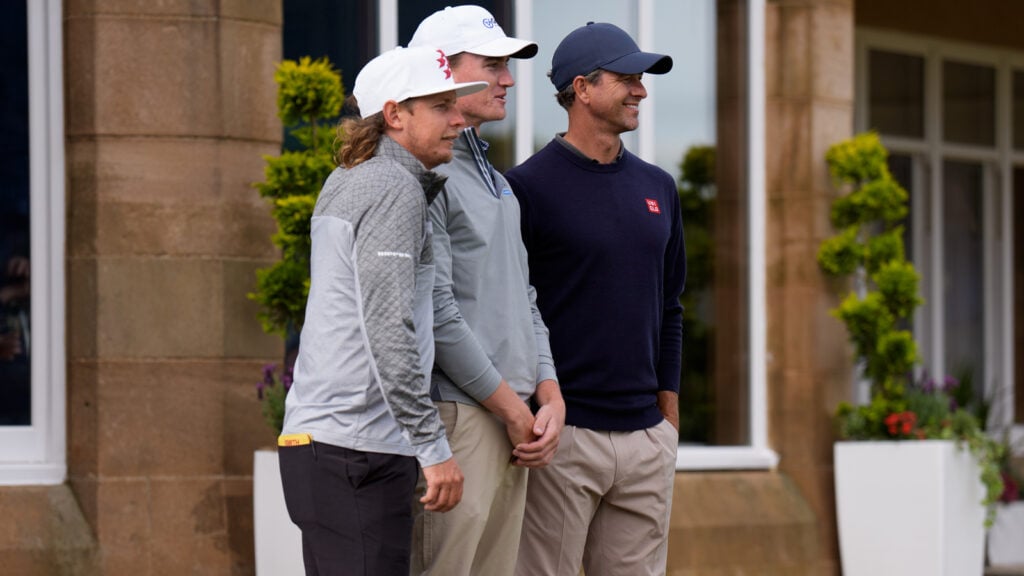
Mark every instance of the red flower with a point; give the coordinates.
(901, 423)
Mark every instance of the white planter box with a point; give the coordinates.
(278, 541)
(909, 508)
(1006, 536)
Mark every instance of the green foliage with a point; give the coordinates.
(309, 94)
(883, 248)
(281, 291)
(307, 90)
(870, 242)
(869, 249)
(295, 173)
(272, 391)
(841, 254)
(697, 201)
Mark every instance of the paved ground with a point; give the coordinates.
(1005, 570)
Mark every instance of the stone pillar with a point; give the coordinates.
(809, 77)
(170, 107)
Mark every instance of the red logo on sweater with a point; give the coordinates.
(652, 206)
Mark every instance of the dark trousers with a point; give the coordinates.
(354, 508)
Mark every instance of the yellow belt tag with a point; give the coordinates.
(294, 439)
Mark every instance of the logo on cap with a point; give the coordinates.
(442, 63)
(489, 22)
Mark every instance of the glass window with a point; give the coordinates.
(964, 289)
(902, 169)
(684, 99)
(1018, 290)
(896, 94)
(344, 32)
(15, 311)
(1018, 109)
(968, 103)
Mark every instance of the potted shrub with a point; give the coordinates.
(309, 95)
(916, 475)
(1006, 536)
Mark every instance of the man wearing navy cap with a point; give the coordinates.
(605, 242)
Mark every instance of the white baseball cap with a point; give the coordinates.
(404, 73)
(469, 29)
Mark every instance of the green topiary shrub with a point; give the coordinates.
(309, 98)
(868, 248)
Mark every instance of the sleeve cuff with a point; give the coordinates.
(434, 452)
(482, 388)
(546, 372)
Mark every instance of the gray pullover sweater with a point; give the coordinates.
(486, 323)
(361, 376)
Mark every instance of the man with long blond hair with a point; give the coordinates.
(358, 417)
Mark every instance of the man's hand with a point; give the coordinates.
(444, 486)
(668, 403)
(513, 412)
(547, 427)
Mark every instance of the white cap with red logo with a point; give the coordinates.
(404, 73)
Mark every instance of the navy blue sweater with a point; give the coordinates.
(606, 255)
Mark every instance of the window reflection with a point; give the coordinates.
(1018, 109)
(896, 98)
(963, 283)
(1018, 288)
(15, 320)
(969, 103)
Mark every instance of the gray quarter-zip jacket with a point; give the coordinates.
(486, 323)
(365, 354)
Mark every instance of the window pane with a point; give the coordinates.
(896, 99)
(1018, 109)
(901, 168)
(684, 99)
(345, 32)
(1018, 291)
(969, 103)
(963, 285)
(15, 320)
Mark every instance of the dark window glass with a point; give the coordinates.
(963, 288)
(342, 30)
(969, 103)
(896, 99)
(1018, 289)
(1018, 109)
(15, 319)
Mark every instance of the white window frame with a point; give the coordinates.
(928, 155)
(757, 455)
(36, 454)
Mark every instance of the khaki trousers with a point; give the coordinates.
(603, 503)
(480, 536)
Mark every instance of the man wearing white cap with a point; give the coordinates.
(492, 352)
(358, 417)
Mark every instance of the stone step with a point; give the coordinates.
(1017, 570)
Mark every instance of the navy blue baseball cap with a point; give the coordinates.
(605, 46)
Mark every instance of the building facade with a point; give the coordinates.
(133, 132)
